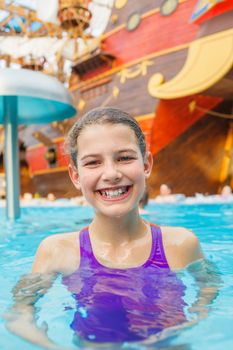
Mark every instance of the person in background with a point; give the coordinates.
(165, 195)
(165, 190)
(27, 198)
(226, 191)
(51, 197)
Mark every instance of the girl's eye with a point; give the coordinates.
(92, 163)
(126, 158)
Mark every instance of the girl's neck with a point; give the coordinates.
(118, 230)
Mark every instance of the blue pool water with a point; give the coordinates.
(213, 223)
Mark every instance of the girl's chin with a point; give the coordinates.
(115, 213)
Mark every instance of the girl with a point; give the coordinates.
(110, 165)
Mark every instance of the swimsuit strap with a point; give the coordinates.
(157, 256)
(86, 252)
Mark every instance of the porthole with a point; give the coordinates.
(133, 21)
(168, 7)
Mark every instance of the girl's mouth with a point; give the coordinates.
(115, 194)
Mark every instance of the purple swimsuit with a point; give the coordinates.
(116, 305)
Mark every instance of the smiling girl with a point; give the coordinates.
(110, 165)
(119, 269)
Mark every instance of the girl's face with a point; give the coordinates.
(111, 170)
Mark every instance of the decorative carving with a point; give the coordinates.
(115, 91)
(74, 16)
(130, 73)
(114, 18)
(114, 94)
(154, 81)
(192, 106)
(120, 3)
(81, 104)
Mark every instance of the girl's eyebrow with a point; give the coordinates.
(93, 155)
(89, 155)
(127, 150)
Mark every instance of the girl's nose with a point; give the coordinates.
(111, 173)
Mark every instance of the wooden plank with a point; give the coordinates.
(192, 162)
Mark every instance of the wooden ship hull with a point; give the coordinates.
(174, 75)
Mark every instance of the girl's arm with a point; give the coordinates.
(183, 250)
(21, 318)
(208, 280)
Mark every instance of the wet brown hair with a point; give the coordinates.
(102, 115)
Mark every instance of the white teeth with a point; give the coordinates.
(114, 193)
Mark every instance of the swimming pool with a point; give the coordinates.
(213, 223)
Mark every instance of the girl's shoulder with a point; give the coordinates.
(59, 241)
(181, 246)
(57, 252)
(176, 234)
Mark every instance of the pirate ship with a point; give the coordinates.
(168, 63)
